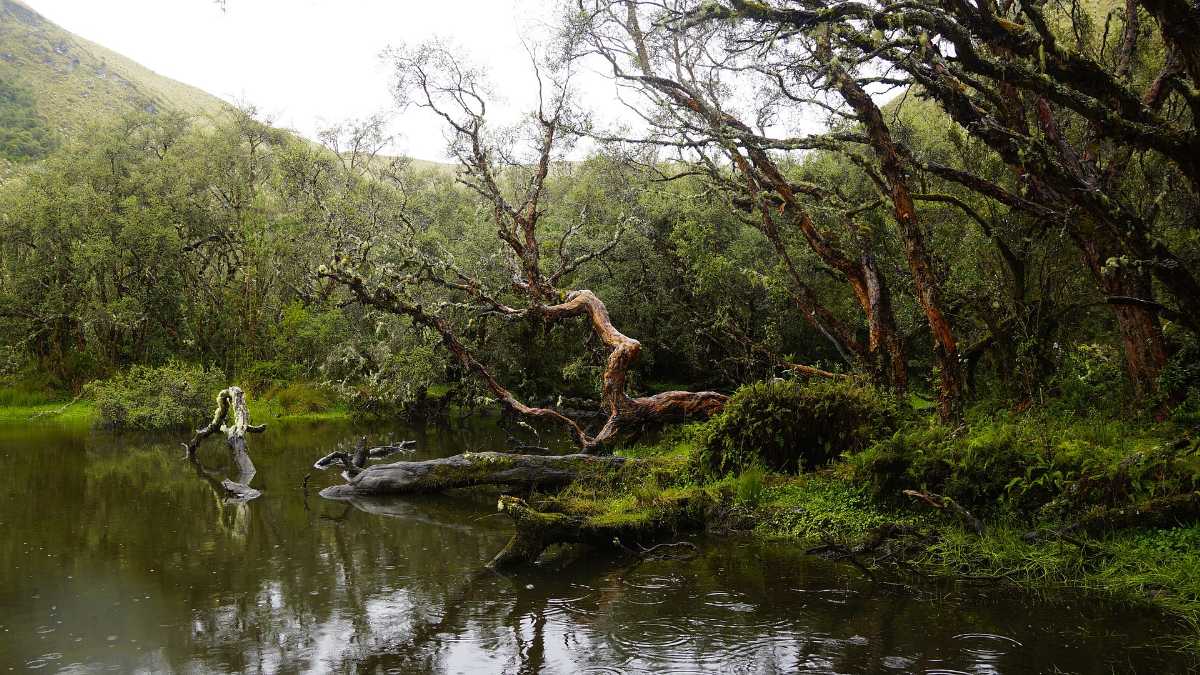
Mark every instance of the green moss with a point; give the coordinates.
(816, 507)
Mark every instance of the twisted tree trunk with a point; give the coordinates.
(235, 436)
(622, 410)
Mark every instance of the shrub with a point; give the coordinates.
(789, 426)
(298, 398)
(262, 376)
(173, 396)
(1091, 380)
(1030, 467)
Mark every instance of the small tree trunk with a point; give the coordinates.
(1141, 333)
(235, 436)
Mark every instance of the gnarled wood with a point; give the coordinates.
(435, 79)
(233, 399)
(354, 464)
(622, 410)
(468, 470)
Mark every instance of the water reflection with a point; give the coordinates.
(117, 557)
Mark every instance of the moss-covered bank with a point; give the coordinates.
(1038, 501)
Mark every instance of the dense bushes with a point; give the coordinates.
(173, 396)
(789, 426)
(1031, 467)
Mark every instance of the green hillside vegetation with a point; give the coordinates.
(74, 82)
(24, 134)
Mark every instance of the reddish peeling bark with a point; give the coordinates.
(1141, 333)
(920, 262)
(885, 350)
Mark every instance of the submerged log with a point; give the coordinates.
(231, 399)
(538, 530)
(468, 470)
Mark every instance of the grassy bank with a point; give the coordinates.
(1037, 525)
(84, 412)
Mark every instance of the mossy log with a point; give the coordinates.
(537, 530)
(468, 470)
(1170, 511)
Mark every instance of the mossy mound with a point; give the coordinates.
(790, 426)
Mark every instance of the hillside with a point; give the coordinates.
(70, 82)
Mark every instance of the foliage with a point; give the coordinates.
(790, 426)
(1091, 380)
(23, 132)
(400, 387)
(1031, 467)
(174, 396)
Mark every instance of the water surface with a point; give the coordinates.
(116, 556)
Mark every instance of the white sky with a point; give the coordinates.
(309, 63)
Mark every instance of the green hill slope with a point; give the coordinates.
(70, 82)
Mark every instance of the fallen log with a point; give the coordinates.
(468, 470)
(1169, 511)
(536, 530)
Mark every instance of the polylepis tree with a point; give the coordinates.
(394, 272)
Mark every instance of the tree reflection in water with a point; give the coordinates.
(122, 559)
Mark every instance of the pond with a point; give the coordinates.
(116, 556)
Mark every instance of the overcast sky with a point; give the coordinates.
(309, 63)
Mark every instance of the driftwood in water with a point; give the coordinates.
(229, 399)
(224, 488)
(355, 463)
(468, 470)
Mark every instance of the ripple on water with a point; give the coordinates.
(652, 634)
(834, 596)
(988, 636)
(990, 647)
(728, 601)
(896, 662)
(650, 590)
(43, 660)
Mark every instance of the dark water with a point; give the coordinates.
(117, 557)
